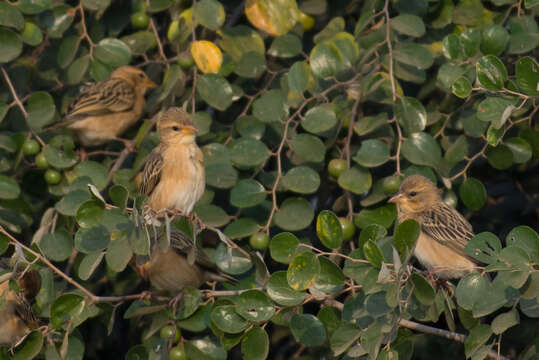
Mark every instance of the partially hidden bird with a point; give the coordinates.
(106, 109)
(16, 316)
(444, 231)
(173, 177)
(184, 263)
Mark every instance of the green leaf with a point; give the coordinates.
(325, 60)
(303, 271)
(62, 308)
(140, 42)
(255, 344)
(495, 110)
(366, 125)
(241, 228)
(189, 303)
(30, 347)
(215, 91)
(319, 119)
(478, 336)
(383, 216)
(231, 261)
(411, 115)
(95, 171)
(247, 193)
(302, 180)
(457, 151)
(212, 215)
(56, 246)
(484, 247)
(280, 292)
(527, 75)
(92, 239)
(270, 107)
(413, 54)
(473, 194)
(451, 47)
(422, 149)
(286, 46)
(329, 230)
(248, 152)
(356, 179)
(41, 109)
(298, 77)
(70, 203)
(523, 34)
(308, 330)
(283, 247)
(504, 321)
(494, 40)
(521, 149)
(373, 253)
(408, 24)
(249, 126)
(90, 213)
(226, 319)
(113, 52)
(89, 264)
(118, 254)
(500, 157)
(294, 214)
(470, 288)
(308, 148)
(423, 290)
(11, 45)
(470, 40)
(462, 87)
(10, 16)
(67, 51)
(255, 306)
(491, 73)
(331, 279)
(205, 349)
(372, 153)
(96, 4)
(209, 13)
(31, 34)
(118, 195)
(60, 152)
(251, 65)
(9, 188)
(526, 238)
(343, 337)
(406, 235)
(221, 175)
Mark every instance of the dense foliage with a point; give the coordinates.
(306, 111)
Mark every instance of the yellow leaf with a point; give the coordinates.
(207, 56)
(275, 17)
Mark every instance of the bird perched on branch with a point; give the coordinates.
(173, 177)
(183, 263)
(16, 316)
(444, 231)
(106, 109)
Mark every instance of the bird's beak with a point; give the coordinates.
(189, 130)
(148, 84)
(397, 198)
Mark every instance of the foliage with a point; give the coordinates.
(440, 88)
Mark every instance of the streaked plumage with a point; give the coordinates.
(181, 264)
(16, 316)
(444, 231)
(106, 109)
(173, 177)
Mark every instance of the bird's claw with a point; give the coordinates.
(174, 302)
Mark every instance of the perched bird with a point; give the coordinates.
(16, 316)
(173, 177)
(444, 231)
(182, 264)
(107, 108)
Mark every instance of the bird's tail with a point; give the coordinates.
(222, 277)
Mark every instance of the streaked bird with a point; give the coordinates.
(444, 231)
(106, 109)
(173, 177)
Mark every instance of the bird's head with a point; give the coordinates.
(176, 127)
(135, 77)
(416, 194)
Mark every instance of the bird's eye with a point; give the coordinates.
(175, 128)
(413, 193)
(141, 76)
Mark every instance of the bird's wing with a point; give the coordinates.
(184, 245)
(24, 311)
(447, 226)
(105, 97)
(151, 173)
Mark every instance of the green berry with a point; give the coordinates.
(52, 177)
(30, 147)
(41, 161)
(185, 60)
(391, 184)
(140, 20)
(348, 228)
(336, 167)
(259, 241)
(169, 331)
(177, 353)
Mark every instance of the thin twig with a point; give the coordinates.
(14, 93)
(390, 50)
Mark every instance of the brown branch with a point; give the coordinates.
(118, 163)
(469, 163)
(159, 44)
(85, 34)
(14, 93)
(390, 50)
(347, 154)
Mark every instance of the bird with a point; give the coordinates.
(183, 263)
(16, 316)
(444, 231)
(104, 110)
(173, 177)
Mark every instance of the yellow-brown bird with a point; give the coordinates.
(16, 316)
(184, 263)
(106, 109)
(444, 231)
(173, 177)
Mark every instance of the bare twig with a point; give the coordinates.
(390, 50)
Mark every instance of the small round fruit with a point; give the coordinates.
(30, 147)
(41, 161)
(169, 331)
(259, 240)
(306, 20)
(140, 20)
(52, 177)
(185, 60)
(336, 167)
(177, 353)
(348, 228)
(391, 184)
